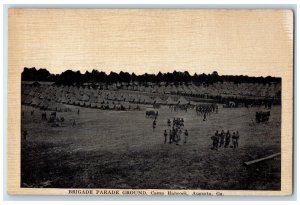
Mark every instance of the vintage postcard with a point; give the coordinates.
(150, 102)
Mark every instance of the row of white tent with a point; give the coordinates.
(55, 99)
(226, 88)
(67, 96)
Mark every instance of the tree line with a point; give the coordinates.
(70, 77)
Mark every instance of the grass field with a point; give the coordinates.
(118, 149)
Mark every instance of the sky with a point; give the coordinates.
(231, 42)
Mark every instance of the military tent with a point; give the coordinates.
(182, 101)
(125, 105)
(99, 105)
(170, 101)
(85, 97)
(87, 104)
(157, 100)
(111, 105)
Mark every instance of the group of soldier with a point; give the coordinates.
(223, 139)
(262, 116)
(175, 108)
(206, 109)
(177, 122)
(175, 131)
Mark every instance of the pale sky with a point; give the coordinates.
(236, 42)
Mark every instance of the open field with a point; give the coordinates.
(119, 149)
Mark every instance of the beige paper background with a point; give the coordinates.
(237, 42)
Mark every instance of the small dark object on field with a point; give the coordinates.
(54, 124)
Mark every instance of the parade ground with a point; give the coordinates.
(119, 149)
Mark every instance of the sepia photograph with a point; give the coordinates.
(151, 99)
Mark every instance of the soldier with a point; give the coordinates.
(227, 139)
(221, 138)
(215, 140)
(156, 115)
(165, 134)
(171, 135)
(78, 112)
(177, 136)
(74, 123)
(182, 122)
(169, 122)
(204, 117)
(216, 135)
(154, 125)
(186, 134)
(236, 140)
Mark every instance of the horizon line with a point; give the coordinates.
(90, 70)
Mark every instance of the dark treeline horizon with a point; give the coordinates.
(70, 77)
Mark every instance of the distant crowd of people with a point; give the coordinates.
(225, 139)
(262, 116)
(175, 108)
(206, 109)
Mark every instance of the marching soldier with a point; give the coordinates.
(170, 136)
(165, 134)
(227, 139)
(221, 138)
(154, 125)
(236, 139)
(215, 142)
(169, 122)
(186, 134)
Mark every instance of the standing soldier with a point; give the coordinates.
(204, 117)
(227, 139)
(78, 112)
(215, 140)
(177, 136)
(154, 125)
(234, 139)
(165, 134)
(169, 122)
(170, 136)
(221, 138)
(237, 136)
(186, 134)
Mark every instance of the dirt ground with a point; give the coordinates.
(119, 149)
